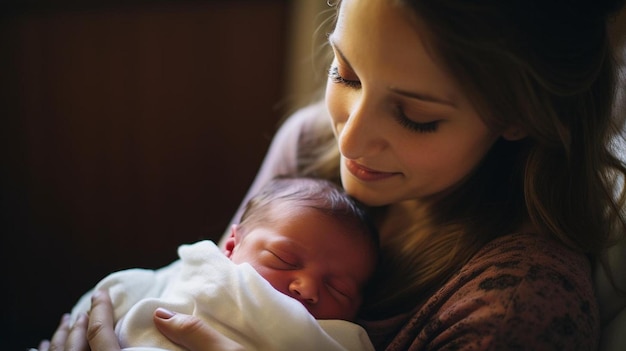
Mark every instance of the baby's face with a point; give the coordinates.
(311, 257)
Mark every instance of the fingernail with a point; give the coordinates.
(164, 313)
(65, 320)
(96, 294)
(44, 345)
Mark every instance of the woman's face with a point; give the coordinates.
(404, 128)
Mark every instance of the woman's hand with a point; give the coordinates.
(66, 338)
(192, 333)
(95, 331)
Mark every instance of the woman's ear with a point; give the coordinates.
(231, 242)
(514, 133)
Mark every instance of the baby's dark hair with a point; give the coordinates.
(319, 194)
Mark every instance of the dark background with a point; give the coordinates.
(127, 128)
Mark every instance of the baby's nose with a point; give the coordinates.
(304, 290)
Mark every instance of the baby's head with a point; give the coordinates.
(310, 241)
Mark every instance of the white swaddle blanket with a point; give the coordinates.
(234, 299)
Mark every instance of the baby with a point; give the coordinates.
(291, 276)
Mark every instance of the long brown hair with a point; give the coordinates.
(551, 72)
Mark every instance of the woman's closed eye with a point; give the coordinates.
(399, 115)
(335, 77)
(421, 127)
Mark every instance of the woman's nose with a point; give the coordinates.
(304, 289)
(360, 133)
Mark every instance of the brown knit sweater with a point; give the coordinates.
(520, 292)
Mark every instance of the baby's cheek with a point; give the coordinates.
(274, 277)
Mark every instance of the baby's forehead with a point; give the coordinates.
(301, 221)
(325, 232)
(311, 208)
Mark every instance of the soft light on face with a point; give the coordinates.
(404, 128)
(312, 258)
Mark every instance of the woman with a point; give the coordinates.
(480, 134)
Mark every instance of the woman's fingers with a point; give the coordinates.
(66, 338)
(60, 335)
(192, 333)
(100, 330)
(96, 331)
(77, 338)
(44, 345)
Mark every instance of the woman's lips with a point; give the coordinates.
(366, 174)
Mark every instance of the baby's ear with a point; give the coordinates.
(231, 242)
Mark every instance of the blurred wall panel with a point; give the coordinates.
(309, 55)
(127, 129)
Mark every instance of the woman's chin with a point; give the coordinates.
(369, 197)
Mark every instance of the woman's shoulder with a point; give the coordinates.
(525, 290)
(297, 129)
(521, 291)
(530, 270)
(307, 117)
(526, 252)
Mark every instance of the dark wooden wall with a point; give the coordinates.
(127, 128)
